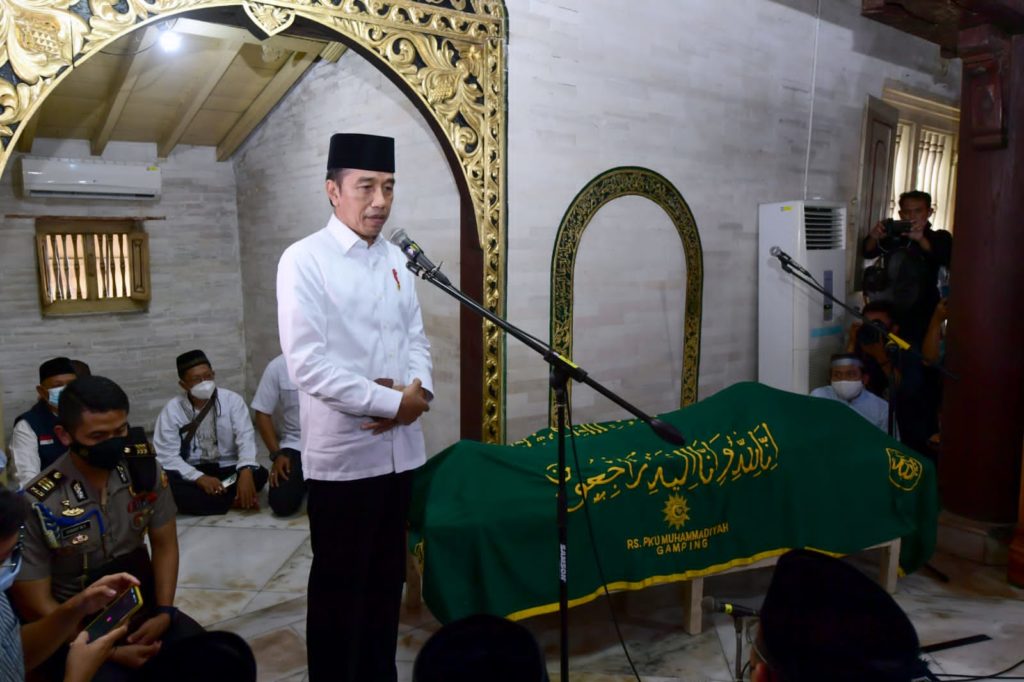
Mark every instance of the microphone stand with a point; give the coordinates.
(562, 371)
(794, 269)
(893, 347)
(737, 624)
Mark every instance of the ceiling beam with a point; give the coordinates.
(332, 52)
(290, 73)
(206, 29)
(214, 70)
(124, 82)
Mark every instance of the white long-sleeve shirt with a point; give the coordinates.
(276, 390)
(866, 404)
(347, 315)
(229, 428)
(24, 453)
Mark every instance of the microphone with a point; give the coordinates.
(786, 259)
(415, 255)
(734, 610)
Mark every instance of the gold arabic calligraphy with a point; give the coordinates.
(721, 459)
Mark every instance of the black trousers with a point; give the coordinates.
(357, 529)
(191, 499)
(286, 497)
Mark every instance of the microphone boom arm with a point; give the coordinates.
(899, 342)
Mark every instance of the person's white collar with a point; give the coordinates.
(346, 236)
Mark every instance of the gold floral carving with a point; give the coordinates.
(271, 20)
(612, 184)
(450, 54)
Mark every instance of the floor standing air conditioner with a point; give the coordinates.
(798, 329)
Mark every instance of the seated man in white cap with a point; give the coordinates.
(822, 619)
(848, 381)
(205, 442)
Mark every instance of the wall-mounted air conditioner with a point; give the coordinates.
(78, 179)
(798, 330)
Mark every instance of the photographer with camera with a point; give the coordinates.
(910, 255)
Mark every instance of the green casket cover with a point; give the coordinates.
(763, 471)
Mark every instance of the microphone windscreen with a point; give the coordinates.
(775, 251)
(707, 604)
(398, 236)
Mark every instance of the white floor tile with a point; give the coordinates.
(234, 558)
(263, 518)
(266, 599)
(294, 574)
(208, 607)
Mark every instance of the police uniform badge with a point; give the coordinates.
(44, 485)
(141, 507)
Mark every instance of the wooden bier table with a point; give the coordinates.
(693, 590)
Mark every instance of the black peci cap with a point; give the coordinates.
(365, 152)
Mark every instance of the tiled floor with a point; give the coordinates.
(246, 572)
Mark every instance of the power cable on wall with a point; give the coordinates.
(814, 82)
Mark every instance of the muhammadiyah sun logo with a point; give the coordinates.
(677, 511)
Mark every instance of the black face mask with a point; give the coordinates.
(105, 454)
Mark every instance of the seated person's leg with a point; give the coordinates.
(191, 499)
(286, 496)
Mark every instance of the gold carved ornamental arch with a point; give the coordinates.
(450, 55)
(610, 185)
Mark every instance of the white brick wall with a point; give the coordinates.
(281, 198)
(197, 297)
(715, 96)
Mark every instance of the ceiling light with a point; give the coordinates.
(170, 41)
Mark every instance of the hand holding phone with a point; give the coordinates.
(119, 611)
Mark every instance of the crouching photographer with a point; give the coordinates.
(910, 254)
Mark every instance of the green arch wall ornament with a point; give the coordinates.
(610, 185)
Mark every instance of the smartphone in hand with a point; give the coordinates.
(119, 611)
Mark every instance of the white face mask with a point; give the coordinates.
(53, 395)
(203, 390)
(847, 390)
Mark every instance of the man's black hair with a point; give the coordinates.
(92, 394)
(480, 647)
(918, 195)
(12, 513)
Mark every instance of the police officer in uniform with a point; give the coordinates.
(33, 443)
(90, 513)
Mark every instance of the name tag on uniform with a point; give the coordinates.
(75, 529)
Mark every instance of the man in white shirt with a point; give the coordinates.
(205, 442)
(352, 336)
(34, 445)
(277, 392)
(848, 381)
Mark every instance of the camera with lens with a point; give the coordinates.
(896, 228)
(869, 334)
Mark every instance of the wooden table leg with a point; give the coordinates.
(693, 593)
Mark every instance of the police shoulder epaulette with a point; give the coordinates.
(44, 485)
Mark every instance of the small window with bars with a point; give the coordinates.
(92, 266)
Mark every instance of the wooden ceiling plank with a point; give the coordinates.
(189, 108)
(332, 52)
(289, 74)
(130, 69)
(222, 32)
